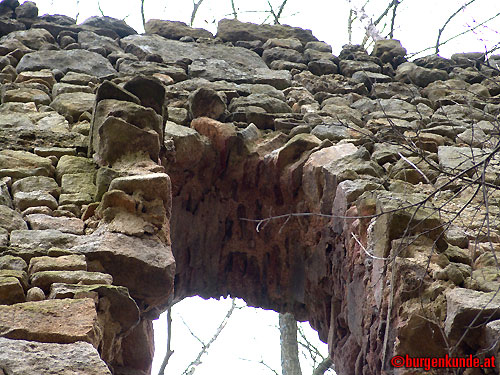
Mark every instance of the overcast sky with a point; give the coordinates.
(251, 333)
(418, 20)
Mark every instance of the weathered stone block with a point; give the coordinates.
(64, 224)
(36, 183)
(35, 240)
(11, 290)
(72, 183)
(10, 262)
(465, 306)
(11, 220)
(61, 263)
(23, 201)
(74, 164)
(20, 357)
(150, 256)
(43, 279)
(72, 105)
(19, 164)
(62, 321)
(74, 60)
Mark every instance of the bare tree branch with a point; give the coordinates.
(308, 346)
(280, 11)
(196, 5)
(323, 367)
(393, 18)
(261, 362)
(271, 11)
(192, 333)
(275, 15)
(384, 13)
(192, 366)
(169, 352)
(142, 14)
(77, 10)
(100, 9)
(440, 31)
(235, 14)
(458, 35)
(350, 20)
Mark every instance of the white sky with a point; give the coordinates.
(419, 20)
(252, 333)
(250, 336)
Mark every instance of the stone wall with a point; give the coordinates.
(132, 165)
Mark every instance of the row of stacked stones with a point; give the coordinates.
(65, 308)
(93, 115)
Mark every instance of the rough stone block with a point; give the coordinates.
(464, 306)
(71, 225)
(20, 357)
(44, 279)
(21, 164)
(62, 263)
(36, 183)
(62, 321)
(36, 240)
(11, 290)
(22, 276)
(73, 183)
(23, 201)
(119, 139)
(72, 105)
(11, 220)
(10, 262)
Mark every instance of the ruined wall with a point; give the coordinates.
(128, 164)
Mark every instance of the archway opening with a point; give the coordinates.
(249, 342)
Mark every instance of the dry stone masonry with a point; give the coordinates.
(130, 165)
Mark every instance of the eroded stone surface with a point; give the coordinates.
(21, 357)
(75, 60)
(43, 279)
(63, 321)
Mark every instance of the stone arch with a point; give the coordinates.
(155, 204)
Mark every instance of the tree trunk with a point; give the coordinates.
(289, 348)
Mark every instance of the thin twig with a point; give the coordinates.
(350, 20)
(235, 14)
(457, 35)
(77, 10)
(100, 9)
(192, 333)
(169, 352)
(142, 14)
(192, 366)
(393, 18)
(364, 249)
(323, 366)
(196, 5)
(261, 362)
(368, 24)
(440, 31)
(415, 167)
(280, 11)
(271, 10)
